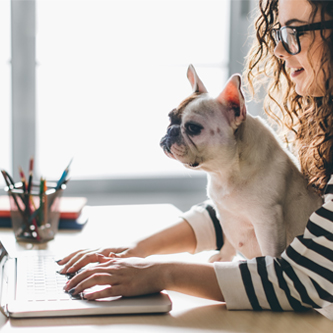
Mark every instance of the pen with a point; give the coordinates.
(9, 180)
(6, 178)
(63, 176)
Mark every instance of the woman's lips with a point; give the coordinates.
(297, 71)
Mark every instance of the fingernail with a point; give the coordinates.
(57, 261)
(71, 291)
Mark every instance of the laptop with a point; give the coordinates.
(32, 287)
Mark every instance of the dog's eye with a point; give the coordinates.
(193, 129)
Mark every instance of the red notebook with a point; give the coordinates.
(70, 207)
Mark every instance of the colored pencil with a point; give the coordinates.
(33, 217)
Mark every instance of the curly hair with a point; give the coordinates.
(307, 121)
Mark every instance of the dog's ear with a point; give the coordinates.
(233, 97)
(195, 81)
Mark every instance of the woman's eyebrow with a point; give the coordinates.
(292, 21)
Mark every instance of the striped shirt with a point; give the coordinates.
(301, 279)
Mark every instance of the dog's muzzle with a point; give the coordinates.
(170, 138)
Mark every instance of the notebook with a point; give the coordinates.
(70, 207)
(32, 287)
(64, 223)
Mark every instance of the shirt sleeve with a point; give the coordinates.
(301, 279)
(206, 226)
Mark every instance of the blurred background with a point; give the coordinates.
(94, 80)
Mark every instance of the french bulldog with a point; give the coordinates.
(260, 196)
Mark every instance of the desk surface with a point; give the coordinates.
(120, 225)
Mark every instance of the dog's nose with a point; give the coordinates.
(173, 130)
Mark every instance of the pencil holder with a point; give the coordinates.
(35, 216)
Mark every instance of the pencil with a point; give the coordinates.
(31, 166)
(40, 209)
(45, 204)
(23, 180)
(25, 193)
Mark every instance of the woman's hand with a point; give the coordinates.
(177, 238)
(137, 276)
(77, 260)
(123, 277)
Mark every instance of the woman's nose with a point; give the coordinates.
(280, 51)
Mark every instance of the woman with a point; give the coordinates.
(295, 53)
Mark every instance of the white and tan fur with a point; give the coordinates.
(261, 198)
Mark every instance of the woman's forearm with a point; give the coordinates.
(177, 238)
(192, 279)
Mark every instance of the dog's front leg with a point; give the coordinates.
(270, 231)
(226, 253)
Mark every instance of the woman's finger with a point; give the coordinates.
(90, 257)
(63, 261)
(77, 279)
(82, 259)
(111, 291)
(73, 260)
(98, 278)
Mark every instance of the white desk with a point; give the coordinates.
(118, 225)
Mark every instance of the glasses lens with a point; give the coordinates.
(289, 40)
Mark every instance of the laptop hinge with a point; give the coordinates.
(4, 289)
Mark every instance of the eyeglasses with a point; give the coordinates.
(289, 36)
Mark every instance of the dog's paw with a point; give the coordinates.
(220, 257)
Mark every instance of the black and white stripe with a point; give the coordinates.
(304, 274)
(217, 226)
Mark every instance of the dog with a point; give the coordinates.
(260, 196)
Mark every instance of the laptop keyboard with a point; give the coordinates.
(43, 282)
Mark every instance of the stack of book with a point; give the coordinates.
(73, 212)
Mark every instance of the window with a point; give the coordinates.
(5, 132)
(95, 80)
(108, 74)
